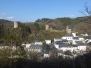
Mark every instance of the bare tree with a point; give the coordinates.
(87, 12)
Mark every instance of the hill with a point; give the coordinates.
(61, 23)
(5, 22)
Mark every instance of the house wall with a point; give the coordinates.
(81, 39)
(57, 46)
(38, 43)
(46, 55)
(48, 41)
(82, 48)
(89, 40)
(63, 48)
(68, 48)
(28, 45)
(35, 50)
(67, 38)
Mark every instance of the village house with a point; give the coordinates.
(35, 48)
(48, 41)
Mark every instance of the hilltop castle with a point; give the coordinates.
(68, 30)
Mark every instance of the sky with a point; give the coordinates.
(31, 10)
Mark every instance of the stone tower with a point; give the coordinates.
(47, 27)
(68, 30)
(15, 24)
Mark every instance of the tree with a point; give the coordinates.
(45, 47)
(37, 27)
(67, 52)
(87, 12)
(38, 20)
(2, 31)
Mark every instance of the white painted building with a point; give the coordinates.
(81, 38)
(57, 41)
(74, 34)
(38, 43)
(68, 37)
(26, 45)
(46, 55)
(35, 48)
(48, 41)
(81, 45)
(65, 47)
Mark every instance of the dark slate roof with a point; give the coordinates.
(46, 52)
(52, 48)
(88, 37)
(40, 46)
(74, 45)
(75, 38)
(81, 36)
(64, 40)
(63, 45)
(58, 42)
(80, 43)
(68, 35)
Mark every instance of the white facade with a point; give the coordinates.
(38, 43)
(67, 38)
(74, 34)
(68, 48)
(83, 48)
(56, 45)
(63, 48)
(48, 41)
(55, 40)
(27, 45)
(38, 50)
(46, 55)
(81, 39)
(89, 40)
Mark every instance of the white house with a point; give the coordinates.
(81, 38)
(81, 46)
(74, 40)
(65, 41)
(57, 41)
(26, 45)
(88, 38)
(74, 34)
(46, 55)
(48, 41)
(68, 37)
(65, 47)
(35, 48)
(38, 43)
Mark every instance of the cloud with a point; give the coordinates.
(3, 14)
(11, 17)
